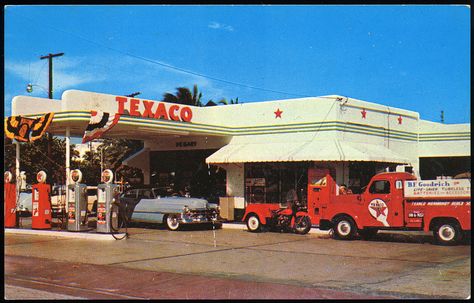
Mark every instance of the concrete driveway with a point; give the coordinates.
(397, 265)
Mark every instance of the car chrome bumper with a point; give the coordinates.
(200, 217)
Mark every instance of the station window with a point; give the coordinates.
(131, 194)
(271, 182)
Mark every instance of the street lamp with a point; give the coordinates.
(29, 88)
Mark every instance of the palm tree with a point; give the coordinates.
(210, 103)
(184, 96)
(224, 101)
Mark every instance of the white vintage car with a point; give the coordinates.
(148, 205)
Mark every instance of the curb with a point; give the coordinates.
(63, 234)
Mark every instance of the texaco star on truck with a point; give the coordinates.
(391, 201)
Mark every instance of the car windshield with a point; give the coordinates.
(160, 192)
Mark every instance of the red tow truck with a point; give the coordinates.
(391, 201)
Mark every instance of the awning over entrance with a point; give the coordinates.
(292, 147)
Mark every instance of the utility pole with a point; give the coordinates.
(50, 61)
(50, 90)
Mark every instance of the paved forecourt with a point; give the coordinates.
(395, 265)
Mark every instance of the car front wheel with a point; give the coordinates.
(172, 222)
(253, 223)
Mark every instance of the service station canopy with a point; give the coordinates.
(327, 128)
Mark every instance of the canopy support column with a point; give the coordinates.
(17, 166)
(68, 156)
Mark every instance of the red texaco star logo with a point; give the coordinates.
(399, 119)
(379, 209)
(364, 113)
(278, 113)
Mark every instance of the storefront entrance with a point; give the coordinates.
(270, 182)
(185, 172)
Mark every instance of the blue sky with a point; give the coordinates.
(411, 57)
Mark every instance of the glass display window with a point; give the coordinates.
(271, 182)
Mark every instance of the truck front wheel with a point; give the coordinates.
(253, 223)
(344, 228)
(447, 233)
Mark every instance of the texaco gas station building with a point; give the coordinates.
(260, 150)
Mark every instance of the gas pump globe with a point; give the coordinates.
(41, 177)
(107, 210)
(8, 177)
(77, 203)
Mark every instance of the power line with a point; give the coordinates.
(167, 65)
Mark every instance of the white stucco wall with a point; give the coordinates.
(444, 140)
(235, 180)
(325, 118)
(26, 105)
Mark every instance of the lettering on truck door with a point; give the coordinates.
(384, 205)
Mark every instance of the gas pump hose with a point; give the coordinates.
(122, 216)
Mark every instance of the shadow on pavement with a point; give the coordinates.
(414, 239)
(186, 227)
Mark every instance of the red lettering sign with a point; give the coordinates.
(158, 111)
(161, 112)
(134, 107)
(173, 109)
(148, 106)
(121, 103)
(186, 114)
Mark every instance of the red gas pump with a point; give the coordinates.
(41, 203)
(9, 196)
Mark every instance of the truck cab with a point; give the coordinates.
(380, 205)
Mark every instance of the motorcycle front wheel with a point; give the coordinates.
(302, 225)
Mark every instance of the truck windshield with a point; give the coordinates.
(380, 187)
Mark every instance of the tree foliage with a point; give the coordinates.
(109, 155)
(34, 158)
(184, 95)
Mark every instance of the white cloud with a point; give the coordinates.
(217, 25)
(116, 74)
(67, 73)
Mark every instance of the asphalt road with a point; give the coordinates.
(199, 263)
